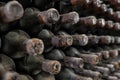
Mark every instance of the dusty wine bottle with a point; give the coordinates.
(87, 57)
(11, 11)
(46, 36)
(67, 21)
(68, 74)
(100, 22)
(78, 39)
(6, 64)
(71, 62)
(39, 64)
(18, 43)
(33, 17)
(52, 40)
(90, 58)
(70, 18)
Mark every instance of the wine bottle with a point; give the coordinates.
(46, 36)
(18, 44)
(68, 74)
(39, 64)
(87, 57)
(71, 62)
(33, 17)
(11, 11)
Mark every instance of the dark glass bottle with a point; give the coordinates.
(67, 20)
(6, 64)
(35, 64)
(46, 36)
(18, 43)
(11, 11)
(68, 74)
(50, 40)
(88, 57)
(33, 17)
(71, 62)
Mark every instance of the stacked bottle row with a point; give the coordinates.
(59, 40)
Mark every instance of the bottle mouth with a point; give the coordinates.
(97, 59)
(12, 11)
(105, 54)
(49, 17)
(56, 67)
(75, 17)
(101, 23)
(92, 20)
(34, 46)
(53, 16)
(84, 40)
(80, 63)
(116, 26)
(53, 67)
